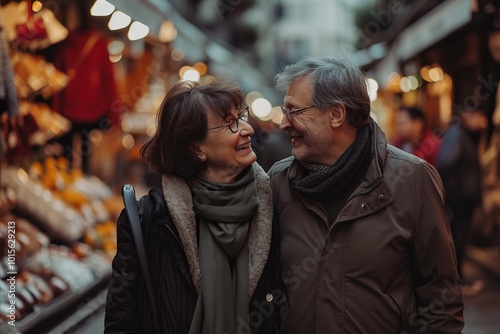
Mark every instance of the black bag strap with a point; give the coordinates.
(128, 194)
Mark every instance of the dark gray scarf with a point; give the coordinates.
(225, 210)
(332, 185)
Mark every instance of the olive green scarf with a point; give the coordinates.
(225, 210)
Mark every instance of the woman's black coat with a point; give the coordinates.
(128, 309)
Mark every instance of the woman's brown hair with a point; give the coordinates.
(182, 125)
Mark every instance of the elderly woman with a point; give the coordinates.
(208, 230)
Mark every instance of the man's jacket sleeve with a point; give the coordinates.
(437, 283)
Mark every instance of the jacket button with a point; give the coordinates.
(364, 206)
(269, 297)
(381, 197)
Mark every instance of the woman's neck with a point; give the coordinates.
(227, 175)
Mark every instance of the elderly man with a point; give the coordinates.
(365, 240)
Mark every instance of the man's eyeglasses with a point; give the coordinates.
(233, 124)
(289, 113)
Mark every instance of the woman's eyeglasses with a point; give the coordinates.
(289, 113)
(233, 124)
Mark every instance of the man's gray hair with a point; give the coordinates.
(336, 80)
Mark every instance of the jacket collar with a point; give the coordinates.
(379, 151)
(375, 171)
(371, 195)
(180, 205)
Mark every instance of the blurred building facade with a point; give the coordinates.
(309, 28)
(447, 38)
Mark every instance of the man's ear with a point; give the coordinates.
(337, 115)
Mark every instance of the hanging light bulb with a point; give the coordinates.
(118, 20)
(102, 8)
(404, 85)
(252, 96)
(261, 107)
(436, 74)
(137, 31)
(36, 6)
(201, 67)
(177, 54)
(191, 75)
(115, 47)
(167, 32)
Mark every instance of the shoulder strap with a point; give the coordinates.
(130, 203)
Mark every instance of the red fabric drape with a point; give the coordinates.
(91, 94)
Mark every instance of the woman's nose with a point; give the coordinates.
(246, 129)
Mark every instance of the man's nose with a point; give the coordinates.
(285, 123)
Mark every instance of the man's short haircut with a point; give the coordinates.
(336, 80)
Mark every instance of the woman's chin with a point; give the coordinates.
(247, 160)
(252, 158)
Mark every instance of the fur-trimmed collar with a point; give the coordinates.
(180, 205)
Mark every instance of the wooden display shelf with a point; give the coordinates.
(64, 312)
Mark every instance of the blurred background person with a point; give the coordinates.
(459, 166)
(269, 143)
(277, 147)
(490, 158)
(413, 136)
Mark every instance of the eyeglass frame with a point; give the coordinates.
(235, 120)
(288, 113)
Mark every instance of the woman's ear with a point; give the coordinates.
(199, 150)
(337, 115)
